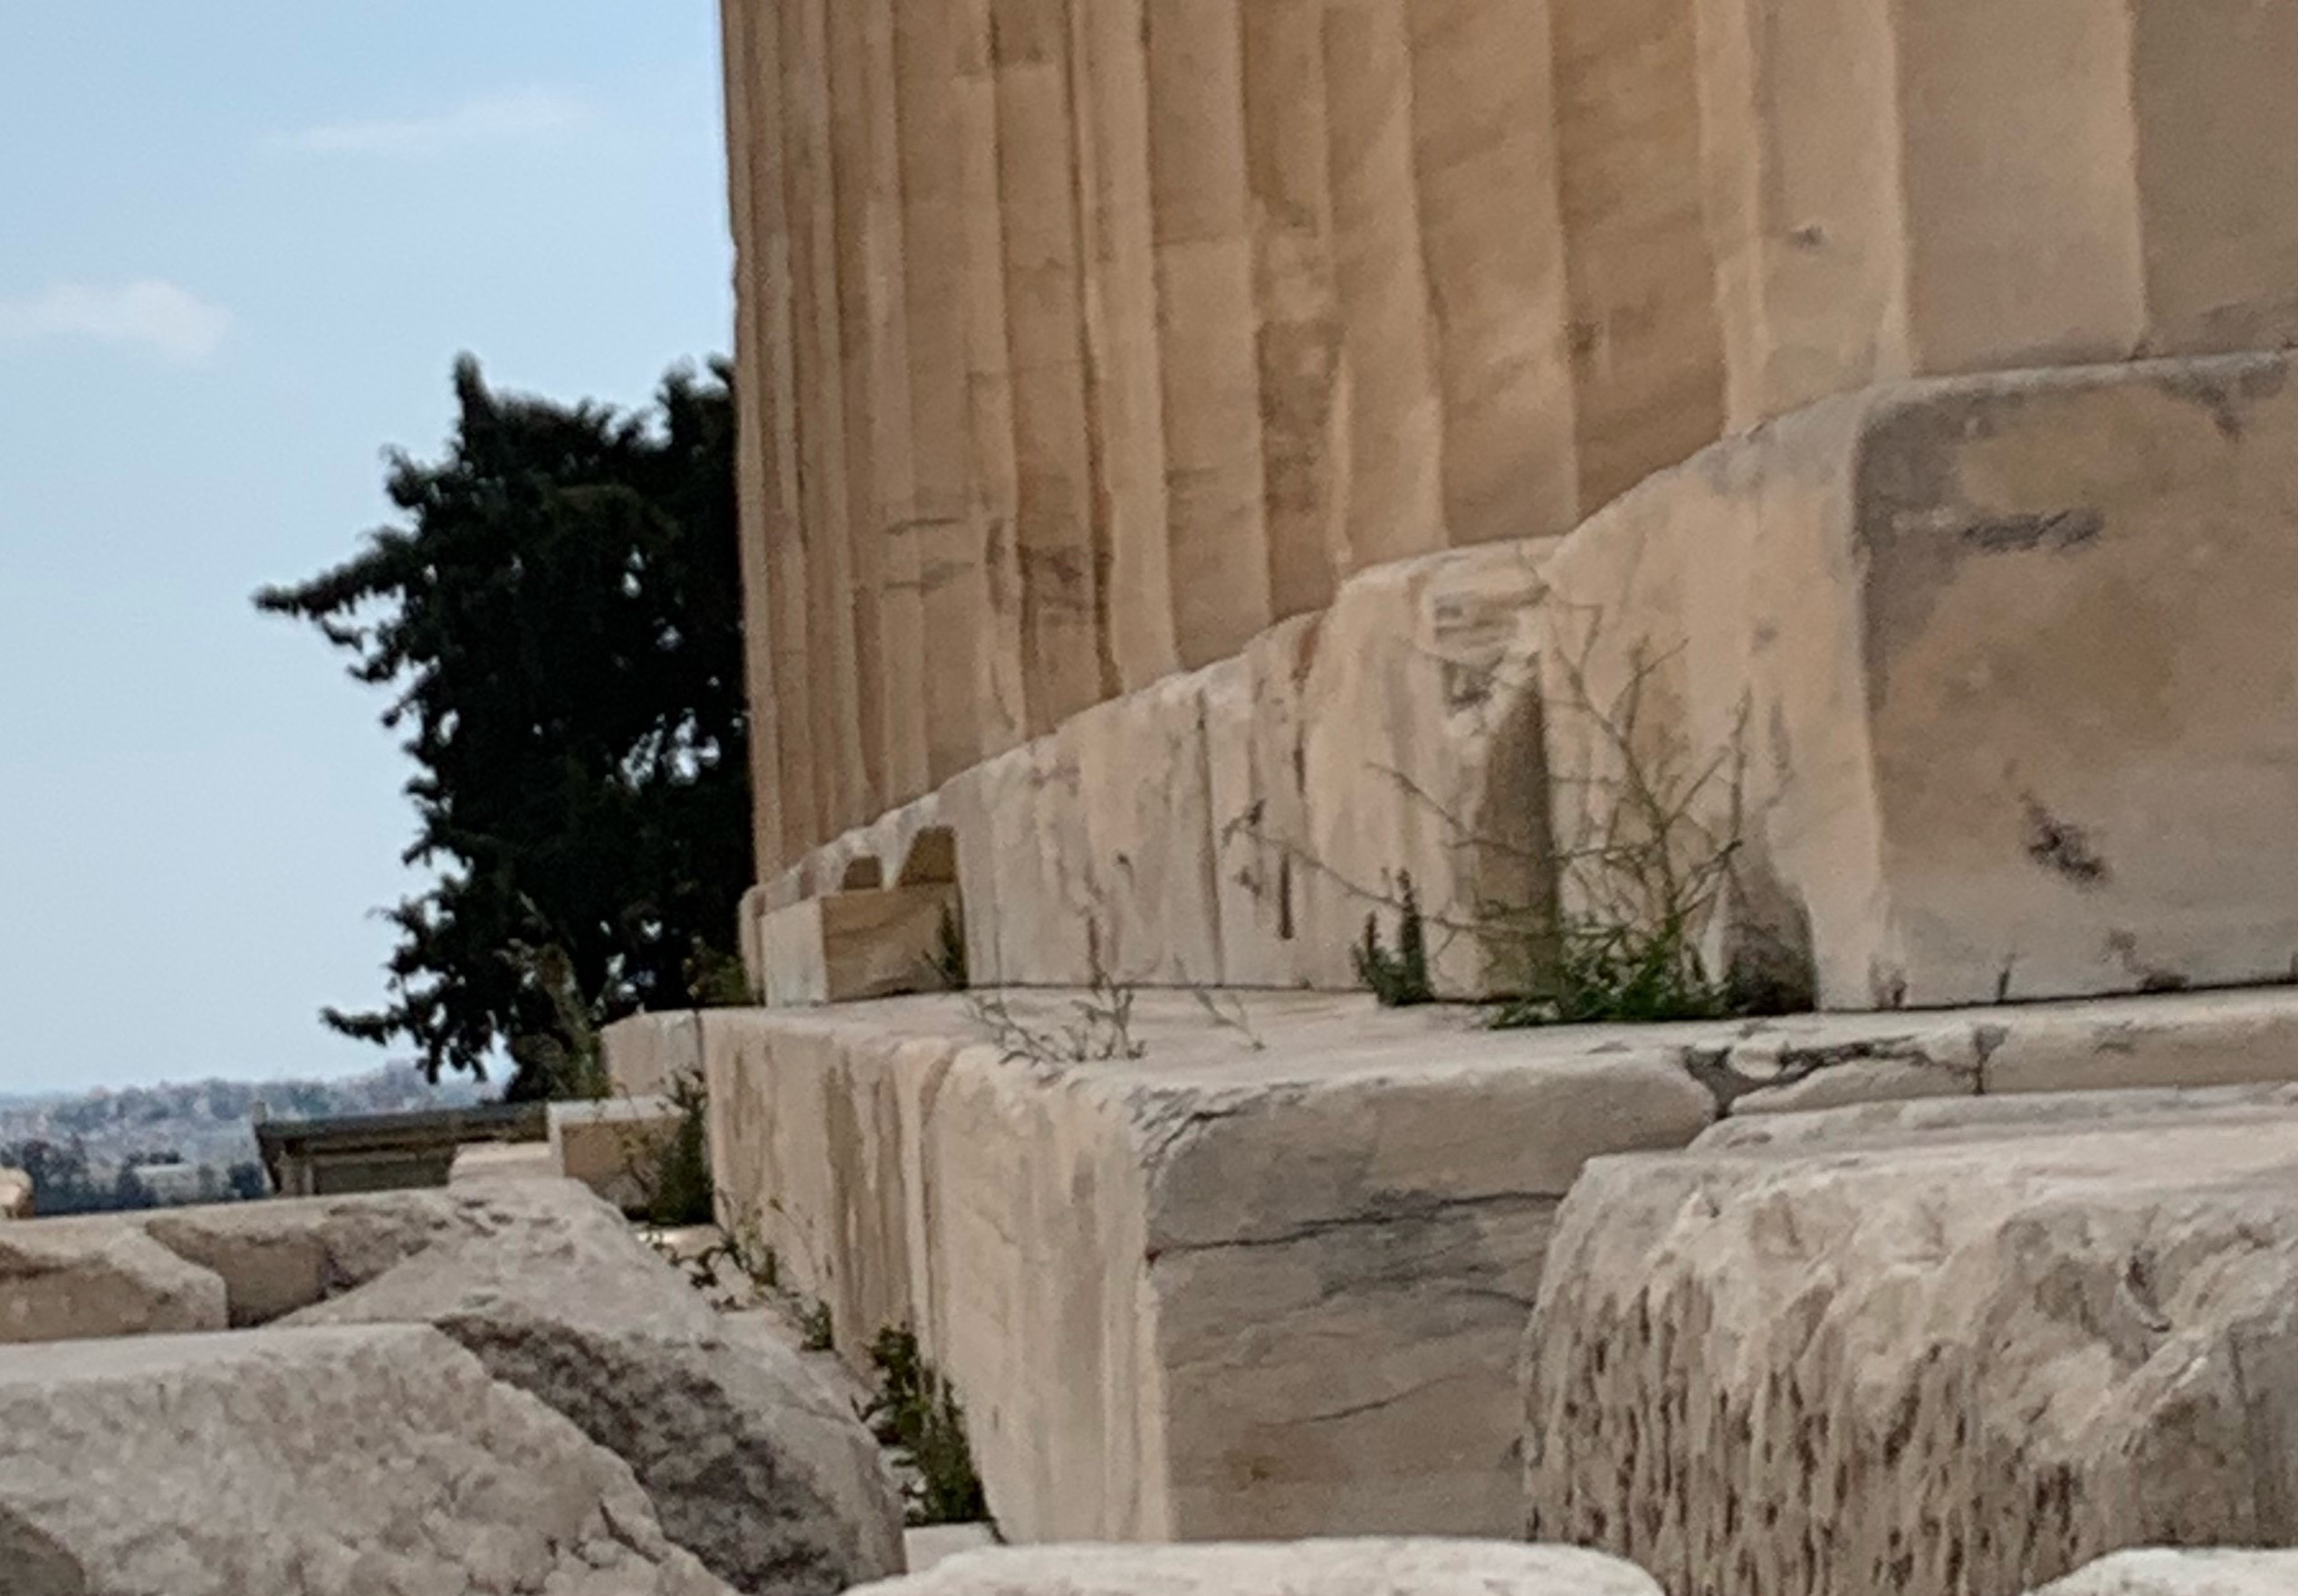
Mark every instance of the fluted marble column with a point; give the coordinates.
(1081, 340)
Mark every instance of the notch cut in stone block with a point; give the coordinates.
(851, 945)
(610, 1146)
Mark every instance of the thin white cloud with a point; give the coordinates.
(178, 324)
(515, 116)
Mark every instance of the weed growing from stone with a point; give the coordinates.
(1397, 978)
(818, 1332)
(717, 980)
(917, 1413)
(1636, 913)
(1227, 1011)
(1101, 1031)
(679, 1189)
(671, 1173)
(949, 953)
(1647, 869)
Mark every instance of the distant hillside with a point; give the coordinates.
(211, 1122)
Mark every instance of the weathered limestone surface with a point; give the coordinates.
(1190, 1236)
(1995, 670)
(1970, 1351)
(1234, 826)
(847, 945)
(61, 1281)
(1308, 1568)
(1220, 1289)
(1420, 736)
(1965, 1119)
(15, 1195)
(612, 1146)
(331, 1463)
(276, 1257)
(750, 1462)
(1897, 190)
(652, 1056)
(257, 1261)
(502, 1161)
(2162, 1572)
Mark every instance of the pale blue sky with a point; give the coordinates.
(240, 245)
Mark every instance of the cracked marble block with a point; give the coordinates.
(1262, 1274)
(1990, 680)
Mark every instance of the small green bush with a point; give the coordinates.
(1398, 979)
(679, 1189)
(916, 1412)
(818, 1332)
(1625, 975)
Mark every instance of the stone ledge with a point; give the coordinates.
(1281, 1284)
(1283, 1268)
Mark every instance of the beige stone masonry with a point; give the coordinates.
(1942, 186)
(1996, 673)
(612, 1146)
(317, 1461)
(847, 945)
(1079, 341)
(1269, 1276)
(1234, 826)
(1977, 680)
(1264, 1280)
(62, 1280)
(645, 1059)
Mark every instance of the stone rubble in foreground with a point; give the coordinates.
(535, 1292)
(375, 1461)
(1944, 1346)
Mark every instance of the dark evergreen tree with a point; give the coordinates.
(558, 620)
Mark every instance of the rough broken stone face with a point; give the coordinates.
(66, 1280)
(276, 1257)
(362, 1462)
(1305, 1568)
(2159, 1572)
(1930, 1363)
(750, 1462)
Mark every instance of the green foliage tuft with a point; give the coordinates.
(815, 1326)
(716, 979)
(1399, 978)
(1626, 974)
(918, 1413)
(679, 1189)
